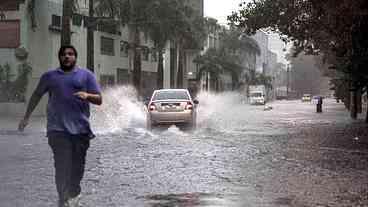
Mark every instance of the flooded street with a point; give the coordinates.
(239, 155)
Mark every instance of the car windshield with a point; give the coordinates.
(167, 95)
(256, 94)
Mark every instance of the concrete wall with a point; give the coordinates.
(272, 63)
(262, 40)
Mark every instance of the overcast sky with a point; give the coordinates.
(220, 9)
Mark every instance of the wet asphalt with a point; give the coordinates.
(239, 155)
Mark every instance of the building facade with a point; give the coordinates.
(262, 60)
(39, 37)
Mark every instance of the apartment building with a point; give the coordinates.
(37, 34)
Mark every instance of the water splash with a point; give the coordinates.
(217, 110)
(120, 110)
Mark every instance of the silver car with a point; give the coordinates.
(171, 106)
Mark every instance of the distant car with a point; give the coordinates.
(306, 98)
(171, 106)
(257, 98)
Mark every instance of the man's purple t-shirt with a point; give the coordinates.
(66, 113)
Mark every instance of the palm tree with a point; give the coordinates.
(160, 30)
(134, 14)
(229, 57)
(171, 20)
(190, 34)
(68, 6)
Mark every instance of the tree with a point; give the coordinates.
(236, 44)
(174, 21)
(161, 29)
(90, 38)
(68, 6)
(190, 35)
(134, 15)
(317, 27)
(228, 57)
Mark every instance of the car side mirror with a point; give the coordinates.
(196, 102)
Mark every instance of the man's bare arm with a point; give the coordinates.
(33, 102)
(93, 98)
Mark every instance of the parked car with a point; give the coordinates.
(306, 98)
(171, 106)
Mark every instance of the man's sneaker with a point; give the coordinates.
(74, 202)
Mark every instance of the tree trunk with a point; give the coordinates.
(180, 75)
(359, 101)
(366, 117)
(160, 70)
(234, 81)
(90, 38)
(137, 66)
(346, 98)
(353, 103)
(65, 27)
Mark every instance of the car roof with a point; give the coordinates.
(171, 89)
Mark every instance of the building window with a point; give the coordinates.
(122, 76)
(77, 19)
(107, 46)
(10, 34)
(124, 49)
(145, 53)
(55, 20)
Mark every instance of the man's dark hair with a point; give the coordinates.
(64, 47)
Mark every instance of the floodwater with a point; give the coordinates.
(239, 155)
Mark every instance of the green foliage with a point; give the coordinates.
(213, 62)
(228, 57)
(235, 40)
(336, 30)
(14, 90)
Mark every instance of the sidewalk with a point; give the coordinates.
(36, 123)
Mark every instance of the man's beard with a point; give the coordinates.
(67, 68)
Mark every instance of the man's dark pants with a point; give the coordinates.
(69, 161)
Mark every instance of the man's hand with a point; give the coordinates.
(22, 124)
(93, 98)
(82, 95)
